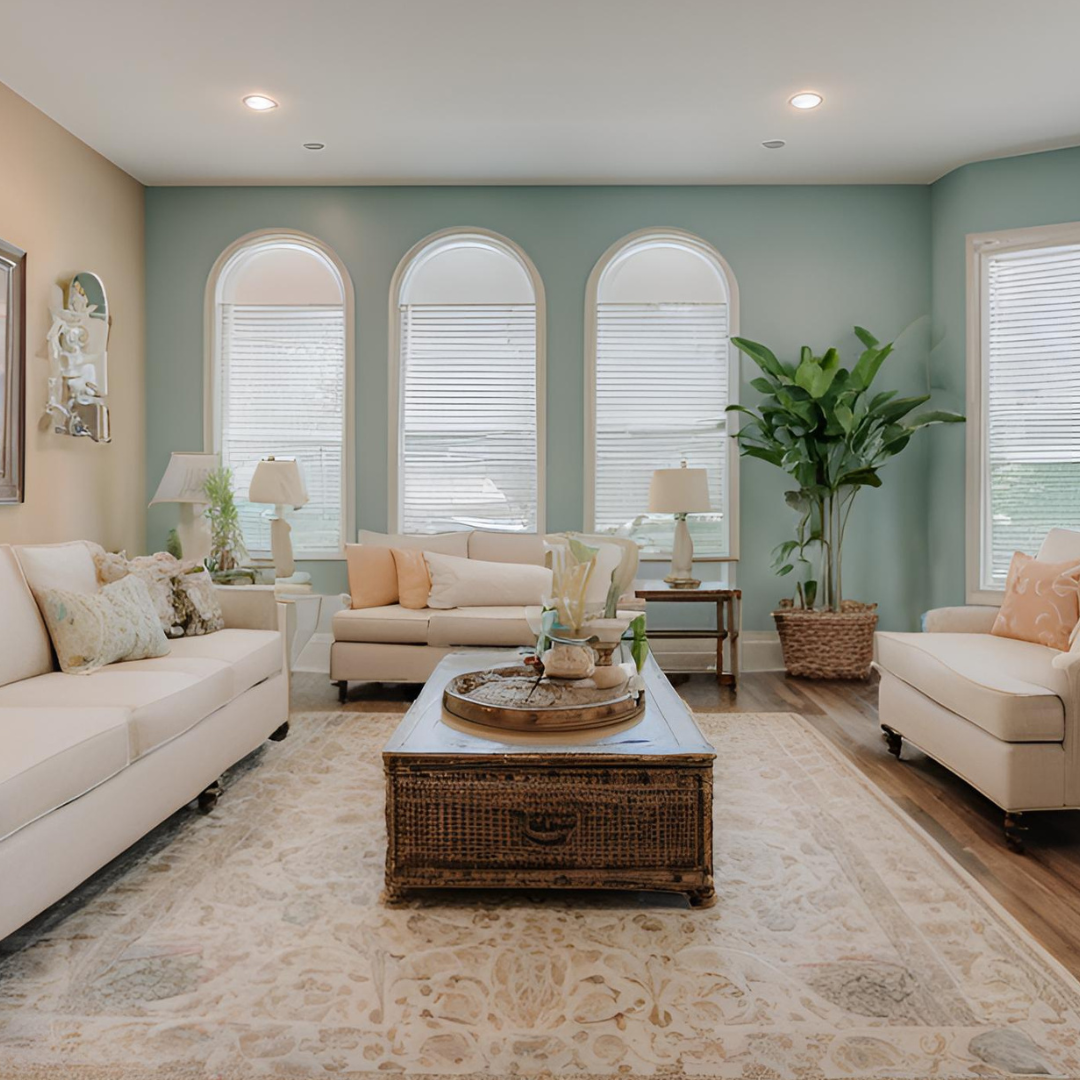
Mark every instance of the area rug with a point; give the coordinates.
(252, 943)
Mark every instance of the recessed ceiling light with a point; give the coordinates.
(807, 99)
(314, 145)
(773, 144)
(260, 102)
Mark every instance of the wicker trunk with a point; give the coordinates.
(827, 644)
(622, 807)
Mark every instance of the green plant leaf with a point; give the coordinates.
(865, 477)
(762, 385)
(866, 337)
(784, 570)
(773, 457)
(894, 410)
(935, 416)
(763, 357)
(810, 592)
(865, 371)
(845, 417)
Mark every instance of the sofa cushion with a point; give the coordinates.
(67, 566)
(252, 655)
(25, 650)
(472, 583)
(373, 579)
(504, 547)
(391, 624)
(1008, 688)
(480, 626)
(164, 697)
(450, 543)
(49, 756)
(1059, 545)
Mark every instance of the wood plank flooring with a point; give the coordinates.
(1040, 888)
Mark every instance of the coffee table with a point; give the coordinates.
(623, 807)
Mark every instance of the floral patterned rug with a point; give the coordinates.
(252, 943)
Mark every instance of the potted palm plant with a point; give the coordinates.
(820, 423)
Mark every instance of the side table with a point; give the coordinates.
(728, 617)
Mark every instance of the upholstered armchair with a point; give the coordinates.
(1002, 714)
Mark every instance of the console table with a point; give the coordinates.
(728, 616)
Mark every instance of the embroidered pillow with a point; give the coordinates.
(413, 581)
(90, 630)
(1042, 602)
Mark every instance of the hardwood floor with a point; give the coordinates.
(1040, 888)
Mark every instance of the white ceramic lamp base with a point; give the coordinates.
(193, 532)
(682, 558)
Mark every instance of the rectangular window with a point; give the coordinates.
(1024, 397)
(468, 417)
(282, 392)
(661, 391)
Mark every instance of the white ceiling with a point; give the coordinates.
(548, 91)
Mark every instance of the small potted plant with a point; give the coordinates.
(227, 549)
(819, 422)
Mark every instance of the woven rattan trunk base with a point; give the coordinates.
(629, 810)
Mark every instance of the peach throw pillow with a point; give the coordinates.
(413, 581)
(372, 575)
(1042, 602)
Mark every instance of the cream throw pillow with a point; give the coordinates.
(89, 631)
(1042, 602)
(474, 583)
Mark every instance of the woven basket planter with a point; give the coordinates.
(827, 644)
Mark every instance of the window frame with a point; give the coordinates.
(979, 247)
(394, 472)
(212, 352)
(592, 296)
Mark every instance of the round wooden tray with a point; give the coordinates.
(624, 705)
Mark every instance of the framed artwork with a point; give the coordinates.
(12, 372)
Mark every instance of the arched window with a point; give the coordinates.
(466, 386)
(280, 380)
(660, 309)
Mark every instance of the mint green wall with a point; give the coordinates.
(810, 263)
(1010, 193)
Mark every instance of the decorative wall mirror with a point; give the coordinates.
(12, 372)
(78, 354)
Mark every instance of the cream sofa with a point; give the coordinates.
(89, 763)
(1002, 714)
(396, 644)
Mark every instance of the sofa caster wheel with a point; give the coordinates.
(208, 798)
(893, 739)
(279, 733)
(1014, 833)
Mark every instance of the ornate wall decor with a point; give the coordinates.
(12, 372)
(78, 340)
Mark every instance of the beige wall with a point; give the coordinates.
(69, 209)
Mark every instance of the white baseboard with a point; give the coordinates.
(759, 650)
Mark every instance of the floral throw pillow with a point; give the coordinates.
(197, 602)
(90, 630)
(183, 592)
(1042, 602)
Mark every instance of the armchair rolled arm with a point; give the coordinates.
(972, 619)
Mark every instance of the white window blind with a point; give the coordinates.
(661, 391)
(468, 417)
(1031, 358)
(282, 381)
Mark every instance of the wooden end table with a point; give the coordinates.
(625, 807)
(728, 617)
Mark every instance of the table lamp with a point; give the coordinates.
(279, 481)
(184, 482)
(680, 492)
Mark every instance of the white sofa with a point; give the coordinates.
(396, 644)
(1002, 714)
(89, 763)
